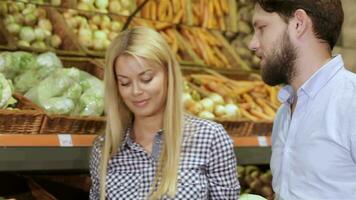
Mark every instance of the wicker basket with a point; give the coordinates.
(68, 46)
(61, 124)
(26, 120)
(6, 41)
(247, 128)
(89, 52)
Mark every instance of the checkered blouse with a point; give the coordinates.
(207, 168)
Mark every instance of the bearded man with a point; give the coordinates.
(314, 133)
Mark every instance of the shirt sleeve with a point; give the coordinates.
(94, 169)
(221, 171)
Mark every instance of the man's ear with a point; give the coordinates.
(300, 23)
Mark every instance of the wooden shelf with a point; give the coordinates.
(71, 152)
(43, 140)
(63, 140)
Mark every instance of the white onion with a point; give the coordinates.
(208, 104)
(206, 115)
(219, 110)
(218, 99)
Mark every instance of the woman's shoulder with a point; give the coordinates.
(195, 125)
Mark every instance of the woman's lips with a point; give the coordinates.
(140, 103)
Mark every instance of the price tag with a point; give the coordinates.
(262, 141)
(65, 140)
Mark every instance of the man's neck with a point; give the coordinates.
(307, 64)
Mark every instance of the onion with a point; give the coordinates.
(83, 6)
(101, 4)
(232, 111)
(105, 22)
(13, 8)
(39, 45)
(40, 33)
(98, 44)
(100, 35)
(125, 12)
(218, 99)
(18, 18)
(27, 34)
(96, 19)
(206, 115)
(106, 43)
(40, 13)
(13, 28)
(116, 26)
(208, 104)
(93, 27)
(187, 99)
(196, 108)
(112, 35)
(23, 43)
(20, 5)
(219, 110)
(9, 19)
(114, 6)
(3, 9)
(125, 3)
(55, 41)
(87, 1)
(30, 19)
(56, 2)
(45, 24)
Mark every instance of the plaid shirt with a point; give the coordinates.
(207, 168)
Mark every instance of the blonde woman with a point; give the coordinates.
(150, 149)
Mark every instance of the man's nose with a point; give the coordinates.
(254, 44)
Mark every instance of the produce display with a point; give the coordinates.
(57, 90)
(212, 48)
(95, 31)
(214, 96)
(120, 7)
(179, 46)
(6, 90)
(253, 180)
(173, 11)
(211, 14)
(241, 39)
(30, 26)
(52, 2)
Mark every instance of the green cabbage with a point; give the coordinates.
(58, 105)
(13, 64)
(251, 197)
(5, 92)
(54, 85)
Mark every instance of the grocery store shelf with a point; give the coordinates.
(43, 140)
(64, 140)
(77, 158)
(71, 152)
(44, 158)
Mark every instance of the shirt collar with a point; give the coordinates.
(130, 143)
(317, 81)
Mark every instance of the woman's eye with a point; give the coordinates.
(124, 84)
(147, 79)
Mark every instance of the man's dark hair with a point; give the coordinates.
(327, 15)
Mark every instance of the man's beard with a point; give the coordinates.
(279, 67)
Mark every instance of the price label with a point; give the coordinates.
(65, 140)
(262, 141)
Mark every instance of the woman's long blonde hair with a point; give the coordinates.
(145, 43)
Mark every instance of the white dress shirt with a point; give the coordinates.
(314, 150)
